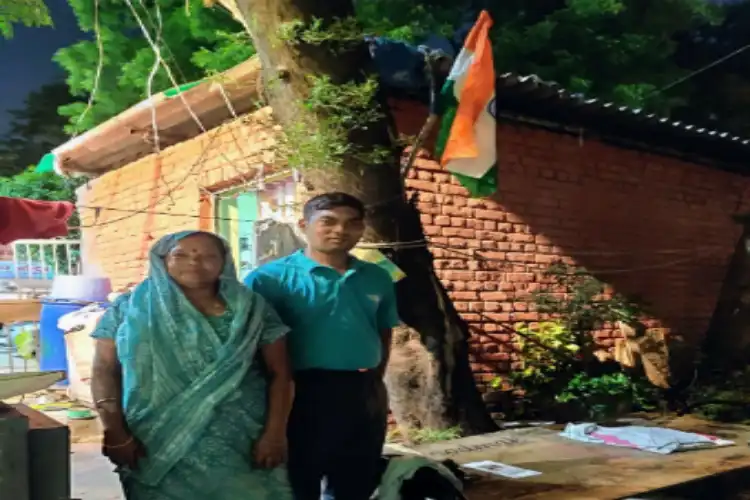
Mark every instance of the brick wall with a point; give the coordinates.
(176, 184)
(645, 224)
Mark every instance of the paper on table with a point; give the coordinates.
(499, 469)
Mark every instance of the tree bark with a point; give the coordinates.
(430, 380)
(727, 343)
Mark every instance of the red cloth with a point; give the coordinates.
(26, 219)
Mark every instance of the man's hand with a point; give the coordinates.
(270, 450)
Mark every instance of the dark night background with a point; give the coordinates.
(27, 58)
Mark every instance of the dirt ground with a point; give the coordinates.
(92, 475)
(93, 478)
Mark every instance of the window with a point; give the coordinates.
(239, 211)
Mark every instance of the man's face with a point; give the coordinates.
(333, 231)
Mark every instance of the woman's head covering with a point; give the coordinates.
(165, 244)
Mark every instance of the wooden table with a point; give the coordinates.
(16, 310)
(574, 470)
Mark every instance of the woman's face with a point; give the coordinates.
(196, 261)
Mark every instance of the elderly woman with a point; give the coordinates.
(191, 380)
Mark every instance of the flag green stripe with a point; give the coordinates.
(447, 109)
(483, 187)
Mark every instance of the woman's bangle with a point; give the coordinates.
(123, 445)
(100, 402)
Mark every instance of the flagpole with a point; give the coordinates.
(435, 69)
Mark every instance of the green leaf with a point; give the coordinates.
(25, 12)
(195, 45)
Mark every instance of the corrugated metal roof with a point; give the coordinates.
(533, 97)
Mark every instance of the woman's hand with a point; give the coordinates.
(270, 450)
(122, 449)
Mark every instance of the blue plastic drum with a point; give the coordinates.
(53, 354)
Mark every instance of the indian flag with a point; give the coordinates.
(467, 139)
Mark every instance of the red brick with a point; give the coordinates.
(461, 276)
(519, 257)
(545, 259)
(494, 296)
(493, 307)
(521, 238)
(499, 317)
(431, 230)
(489, 215)
(430, 187)
(442, 220)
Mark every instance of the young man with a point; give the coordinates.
(341, 311)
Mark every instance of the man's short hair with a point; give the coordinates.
(330, 201)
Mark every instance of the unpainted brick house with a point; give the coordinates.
(644, 203)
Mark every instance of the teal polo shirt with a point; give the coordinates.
(336, 319)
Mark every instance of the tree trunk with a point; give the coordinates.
(727, 343)
(430, 381)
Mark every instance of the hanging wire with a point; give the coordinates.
(150, 82)
(191, 171)
(199, 161)
(698, 253)
(97, 74)
(700, 70)
(157, 52)
(97, 80)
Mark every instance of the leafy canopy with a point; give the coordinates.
(616, 50)
(195, 42)
(25, 12)
(46, 186)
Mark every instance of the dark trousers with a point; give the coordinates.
(336, 431)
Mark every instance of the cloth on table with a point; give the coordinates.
(652, 439)
(22, 218)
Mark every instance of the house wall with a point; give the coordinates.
(175, 187)
(648, 225)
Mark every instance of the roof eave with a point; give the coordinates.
(127, 137)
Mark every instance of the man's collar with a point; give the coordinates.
(305, 262)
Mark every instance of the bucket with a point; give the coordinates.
(52, 352)
(80, 288)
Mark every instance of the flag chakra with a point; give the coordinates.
(467, 142)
